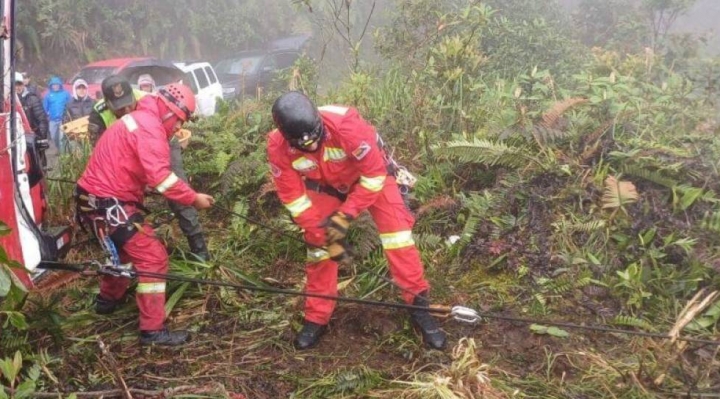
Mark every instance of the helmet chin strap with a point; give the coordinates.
(318, 141)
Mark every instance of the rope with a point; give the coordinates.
(82, 268)
(292, 237)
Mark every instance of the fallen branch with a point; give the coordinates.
(114, 393)
(115, 369)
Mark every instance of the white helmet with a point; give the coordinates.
(19, 77)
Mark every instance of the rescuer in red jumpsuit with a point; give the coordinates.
(328, 167)
(132, 154)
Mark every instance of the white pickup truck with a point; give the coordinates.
(201, 78)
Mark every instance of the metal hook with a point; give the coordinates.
(465, 315)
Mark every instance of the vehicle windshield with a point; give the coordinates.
(94, 75)
(238, 66)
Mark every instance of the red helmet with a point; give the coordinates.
(180, 99)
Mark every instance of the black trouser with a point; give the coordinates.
(187, 215)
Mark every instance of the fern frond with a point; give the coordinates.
(618, 193)
(711, 221)
(485, 152)
(545, 135)
(428, 241)
(550, 118)
(649, 175)
(586, 227)
(561, 285)
(630, 321)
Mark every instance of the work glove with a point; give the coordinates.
(337, 251)
(183, 137)
(336, 227)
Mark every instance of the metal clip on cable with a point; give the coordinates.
(465, 315)
(124, 270)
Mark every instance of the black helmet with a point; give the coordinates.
(298, 120)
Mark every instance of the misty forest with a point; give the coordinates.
(568, 171)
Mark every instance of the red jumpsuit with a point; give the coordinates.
(132, 154)
(350, 161)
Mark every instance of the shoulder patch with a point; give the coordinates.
(334, 109)
(101, 106)
(361, 151)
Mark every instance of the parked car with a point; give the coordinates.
(203, 81)
(162, 71)
(250, 71)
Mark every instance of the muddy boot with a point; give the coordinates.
(106, 306)
(309, 336)
(433, 336)
(198, 247)
(164, 337)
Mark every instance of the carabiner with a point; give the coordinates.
(465, 315)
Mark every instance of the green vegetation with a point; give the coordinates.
(581, 184)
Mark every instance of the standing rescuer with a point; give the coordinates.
(132, 154)
(106, 112)
(328, 167)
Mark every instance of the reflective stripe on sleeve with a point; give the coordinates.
(299, 206)
(317, 255)
(150, 288)
(167, 183)
(400, 239)
(373, 184)
(130, 122)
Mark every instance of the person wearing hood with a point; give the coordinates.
(146, 83)
(81, 104)
(133, 153)
(54, 103)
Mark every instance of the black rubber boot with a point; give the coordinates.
(198, 246)
(309, 336)
(106, 306)
(433, 336)
(164, 337)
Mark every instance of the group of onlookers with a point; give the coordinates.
(47, 113)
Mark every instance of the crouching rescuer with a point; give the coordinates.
(328, 166)
(131, 154)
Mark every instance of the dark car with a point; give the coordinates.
(250, 71)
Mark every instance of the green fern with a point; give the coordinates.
(631, 321)
(428, 241)
(711, 221)
(649, 175)
(478, 206)
(586, 227)
(485, 152)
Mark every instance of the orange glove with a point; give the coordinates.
(336, 227)
(337, 252)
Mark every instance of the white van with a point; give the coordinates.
(203, 81)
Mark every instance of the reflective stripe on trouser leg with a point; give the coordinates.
(394, 222)
(148, 254)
